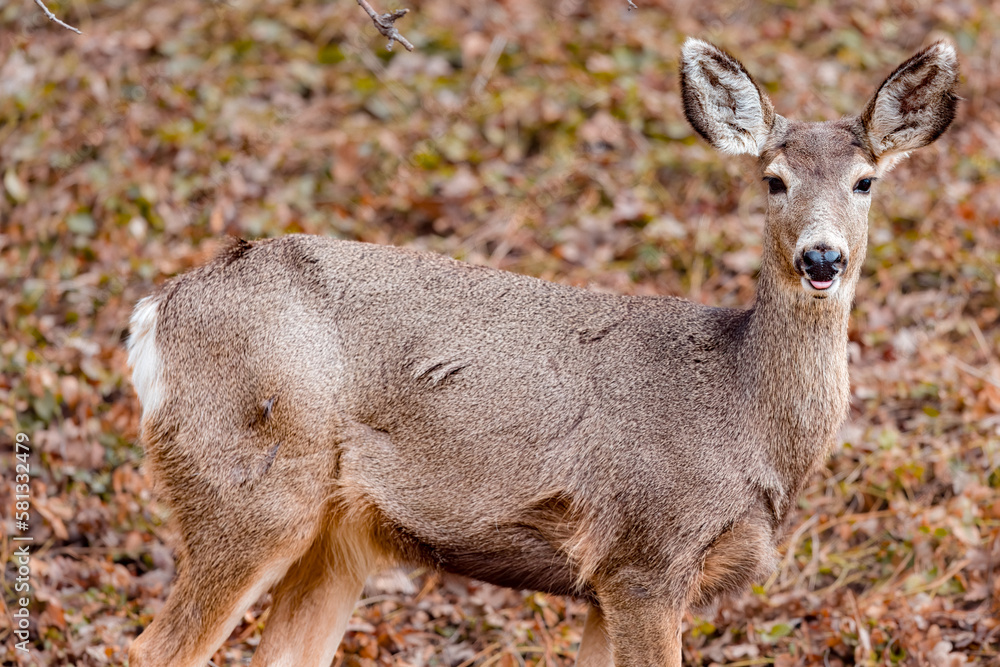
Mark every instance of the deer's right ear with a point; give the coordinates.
(722, 101)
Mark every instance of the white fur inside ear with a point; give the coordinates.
(889, 161)
(732, 111)
(143, 355)
(912, 106)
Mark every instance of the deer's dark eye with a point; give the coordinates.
(864, 185)
(775, 185)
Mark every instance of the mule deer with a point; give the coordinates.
(315, 409)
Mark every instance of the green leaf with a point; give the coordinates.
(15, 187)
(44, 406)
(81, 223)
(776, 632)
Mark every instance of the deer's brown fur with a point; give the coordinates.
(315, 409)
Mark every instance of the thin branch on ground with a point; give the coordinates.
(53, 17)
(384, 24)
(974, 372)
(632, 5)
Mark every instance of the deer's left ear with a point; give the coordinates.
(914, 105)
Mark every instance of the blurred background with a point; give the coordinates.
(545, 138)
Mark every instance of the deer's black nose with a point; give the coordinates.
(820, 264)
(816, 257)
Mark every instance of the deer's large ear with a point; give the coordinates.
(915, 104)
(722, 101)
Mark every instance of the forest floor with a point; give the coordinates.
(542, 138)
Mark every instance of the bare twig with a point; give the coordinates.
(52, 17)
(864, 638)
(488, 64)
(973, 371)
(943, 579)
(632, 5)
(790, 554)
(384, 24)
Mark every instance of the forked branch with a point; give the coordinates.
(53, 17)
(384, 24)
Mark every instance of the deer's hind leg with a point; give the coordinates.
(220, 574)
(237, 538)
(315, 600)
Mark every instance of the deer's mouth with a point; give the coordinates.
(820, 288)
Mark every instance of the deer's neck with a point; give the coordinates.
(795, 363)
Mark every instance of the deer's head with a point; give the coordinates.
(819, 177)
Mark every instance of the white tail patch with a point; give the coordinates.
(144, 357)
